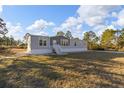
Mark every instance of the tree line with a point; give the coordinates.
(109, 40)
(67, 34)
(8, 41)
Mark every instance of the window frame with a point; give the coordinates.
(42, 42)
(75, 44)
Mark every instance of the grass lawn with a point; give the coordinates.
(88, 69)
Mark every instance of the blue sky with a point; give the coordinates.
(28, 14)
(47, 20)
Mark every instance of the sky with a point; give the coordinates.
(48, 20)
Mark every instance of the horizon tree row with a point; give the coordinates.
(110, 39)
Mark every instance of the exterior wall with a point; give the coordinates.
(35, 48)
(74, 49)
(35, 42)
(58, 39)
(79, 43)
(80, 46)
(29, 44)
(40, 51)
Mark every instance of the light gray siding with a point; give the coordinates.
(35, 42)
(34, 46)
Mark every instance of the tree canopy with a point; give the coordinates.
(121, 39)
(60, 33)
(91, 39)
(108, 38)
(69, 35)
(3, 28)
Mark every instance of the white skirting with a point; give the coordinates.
(40, 51)
(63, 50)
(73, 49)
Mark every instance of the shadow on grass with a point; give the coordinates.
(94, 63)
(103, 56)
(27, 73)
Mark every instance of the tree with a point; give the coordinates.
(108, 38)
(68, 35)
(87, 38)
(12, 41)
(122, 29)
(120, 40)
(3, 29)
(91, 39)
(60, 33)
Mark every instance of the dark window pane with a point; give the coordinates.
(75, 44)
(40, 43)
(44, 43)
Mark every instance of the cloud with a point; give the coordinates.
(70, 22)
(111, 27)
(99, 29)
(114, 14)
(94, 15)
(96, 20)
(40, 25)
(56, 29)
(87, 18)
(120, 18)
(78, 27)
(1, 9)
(14, 30)
(44, 33)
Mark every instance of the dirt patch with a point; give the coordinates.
(17, 50)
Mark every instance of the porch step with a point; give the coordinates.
(57, 49)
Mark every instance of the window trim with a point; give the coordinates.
(42, 42)
(75, 44)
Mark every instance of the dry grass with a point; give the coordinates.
(17, 50)
(88, 69)
(6, 52)
(122, 49)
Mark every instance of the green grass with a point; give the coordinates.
(88, 69)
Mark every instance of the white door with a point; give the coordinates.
(54, 41)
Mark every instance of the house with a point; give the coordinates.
(37, 44)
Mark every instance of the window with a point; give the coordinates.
(45, 43)
(40, 43)
(67, 42)
(61, 41)
(75, 44)
(64, 42)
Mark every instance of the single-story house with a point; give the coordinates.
(37, 44)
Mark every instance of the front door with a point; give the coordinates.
(54, 42)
